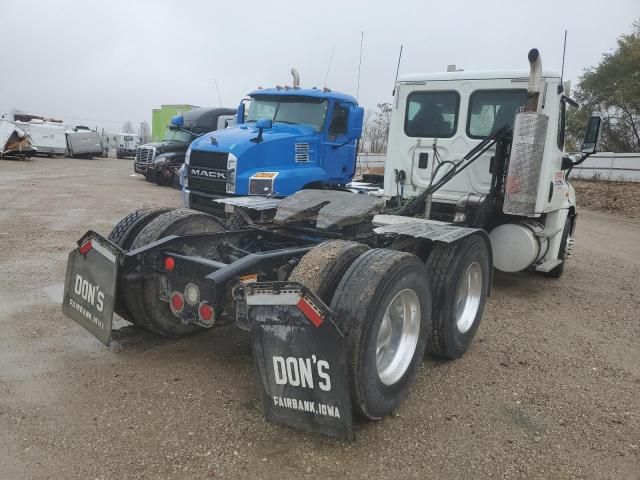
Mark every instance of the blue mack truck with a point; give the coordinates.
(290, 139)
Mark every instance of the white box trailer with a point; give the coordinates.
(85, 143)
(50, 139)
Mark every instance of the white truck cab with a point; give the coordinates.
(456, 110)
(525, 202)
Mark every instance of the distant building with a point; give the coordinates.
(161, 117)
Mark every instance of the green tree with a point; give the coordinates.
(611, 90)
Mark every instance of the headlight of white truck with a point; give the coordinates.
(232, 165)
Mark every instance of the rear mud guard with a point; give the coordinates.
(90, 284)
(300, 358)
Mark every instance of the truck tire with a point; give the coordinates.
(562, 252)
(142, 295)
(383, 306)
(235, 221)
(163, 180)
(460, 275)
(322, 267)
(123, 235)
(127, 229)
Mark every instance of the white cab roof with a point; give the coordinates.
(489, 75)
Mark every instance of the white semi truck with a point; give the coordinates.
(342, 293)
(438, 118)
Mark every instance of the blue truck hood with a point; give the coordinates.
(237, 140)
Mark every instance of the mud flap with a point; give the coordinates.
(90, 285)
(300, 357)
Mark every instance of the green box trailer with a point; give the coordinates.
(161, 117)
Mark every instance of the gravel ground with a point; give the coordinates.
(549, 389)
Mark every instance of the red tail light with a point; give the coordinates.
(177, 302)
(206, 313)
(169, 264)
(85, 247)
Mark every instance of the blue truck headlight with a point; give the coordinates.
(232, 166)
(261, 183)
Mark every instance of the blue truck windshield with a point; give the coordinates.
(293, 110)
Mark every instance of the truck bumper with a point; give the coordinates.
(140, 168)
(203, 202)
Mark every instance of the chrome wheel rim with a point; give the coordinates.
(398, 336)
(468, 297)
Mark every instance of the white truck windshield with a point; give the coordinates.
(292, 110)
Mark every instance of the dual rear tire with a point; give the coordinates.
(140, 297)
(383, 305)
(460, 278)
(391, 307)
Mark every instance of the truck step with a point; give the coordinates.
(548, 265)
(570, 246)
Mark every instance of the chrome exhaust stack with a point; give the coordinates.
(296, 78)
(535, 73)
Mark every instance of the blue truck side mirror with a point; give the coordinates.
(240, 114)
(264, 124)
(178, 120)
(354, 124)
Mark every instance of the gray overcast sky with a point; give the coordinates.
(103, 63)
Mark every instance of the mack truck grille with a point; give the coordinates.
(212, 160)
(205, 185)
(145, 154)
(207, 171)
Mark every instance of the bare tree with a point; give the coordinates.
(376, 129)
(144, 132)
(128, 127)
(363, 145)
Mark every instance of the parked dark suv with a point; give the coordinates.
(159, 162)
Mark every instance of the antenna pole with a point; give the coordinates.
(397, 70)
(218, 90)
(326, 77)
(360, 64)
(564, 50)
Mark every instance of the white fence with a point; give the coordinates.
(620, 167)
